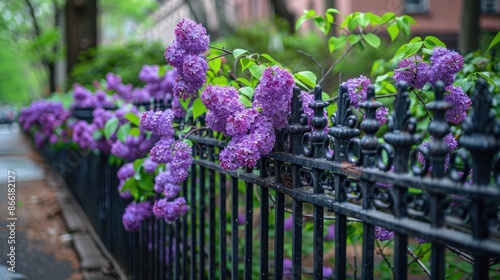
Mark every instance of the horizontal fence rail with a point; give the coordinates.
(236, 226)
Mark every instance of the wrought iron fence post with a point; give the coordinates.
(481, 138)
(402, 137)
(438, 150)
(343, 129)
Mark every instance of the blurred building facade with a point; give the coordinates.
(440, 18)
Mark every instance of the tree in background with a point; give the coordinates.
(470, 26)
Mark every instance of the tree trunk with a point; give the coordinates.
(281, 10)
(81, 28)
(470, 29)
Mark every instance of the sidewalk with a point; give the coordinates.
(43, 248)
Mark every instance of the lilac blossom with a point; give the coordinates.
(460, 102)
(82, 135)
(274, 95)
(412, 70)
(191, 37)
(149, 165)
(135, 213)
(381, 115)
(149, 73)
(356, 88)
(170, 210)
(330, 233)
(221, 101)
(383, 234)
(288, 223)
(160, 123)
(444, 65)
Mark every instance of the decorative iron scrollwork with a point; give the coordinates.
(327, 181)
(344, 124)
(457, 158)
(352, 189)
(306, 177)
(312, 142)
(291, 136)
(382, 197)
(418, 204)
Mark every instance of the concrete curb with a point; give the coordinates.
(93, 264)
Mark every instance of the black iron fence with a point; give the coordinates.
(235, 228)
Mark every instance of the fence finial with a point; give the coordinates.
(313, 141)
(343, 128)
(402, 126)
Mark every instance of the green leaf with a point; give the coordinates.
(403, 25)
(245, 63)
(427, 51)
(138, 163)
(215, 64)
(336, 42)
(363, 20)
(353, 38)
(486, 76)
(307, 77)
(387, 17)
(123, 132)
(332, 11)
(246, 102)
(133, 118)
(431, 42)
(238, 52)
(247, 91)
(495, 41)
(372, 39)
(298, 82)
(324, 96)
(185, 103)
(257, 71)
(134, 131)
(320, 23)
(110, 127)
(413, 48)
(352, 24)
(130, 184)
(393, 31)
(409, 19)
(465, 84)
(268, 57)
(300, 21)
(198, 108)
(146, 182)
(244, 81)
(374, 19)
(96, 135)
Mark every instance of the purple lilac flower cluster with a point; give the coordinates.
(444, 65)
(135, 213)
(125, 172)
(133, 147)
(251, 129)
(84, 98)
(177, 157)
(461, 103)
(357, 88)
(44, 118)
(82, 135)
(450, 141)
(274, 95)
(186, 55)
(383, 234)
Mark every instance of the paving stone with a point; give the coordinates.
(71, 218)
(90, 256)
